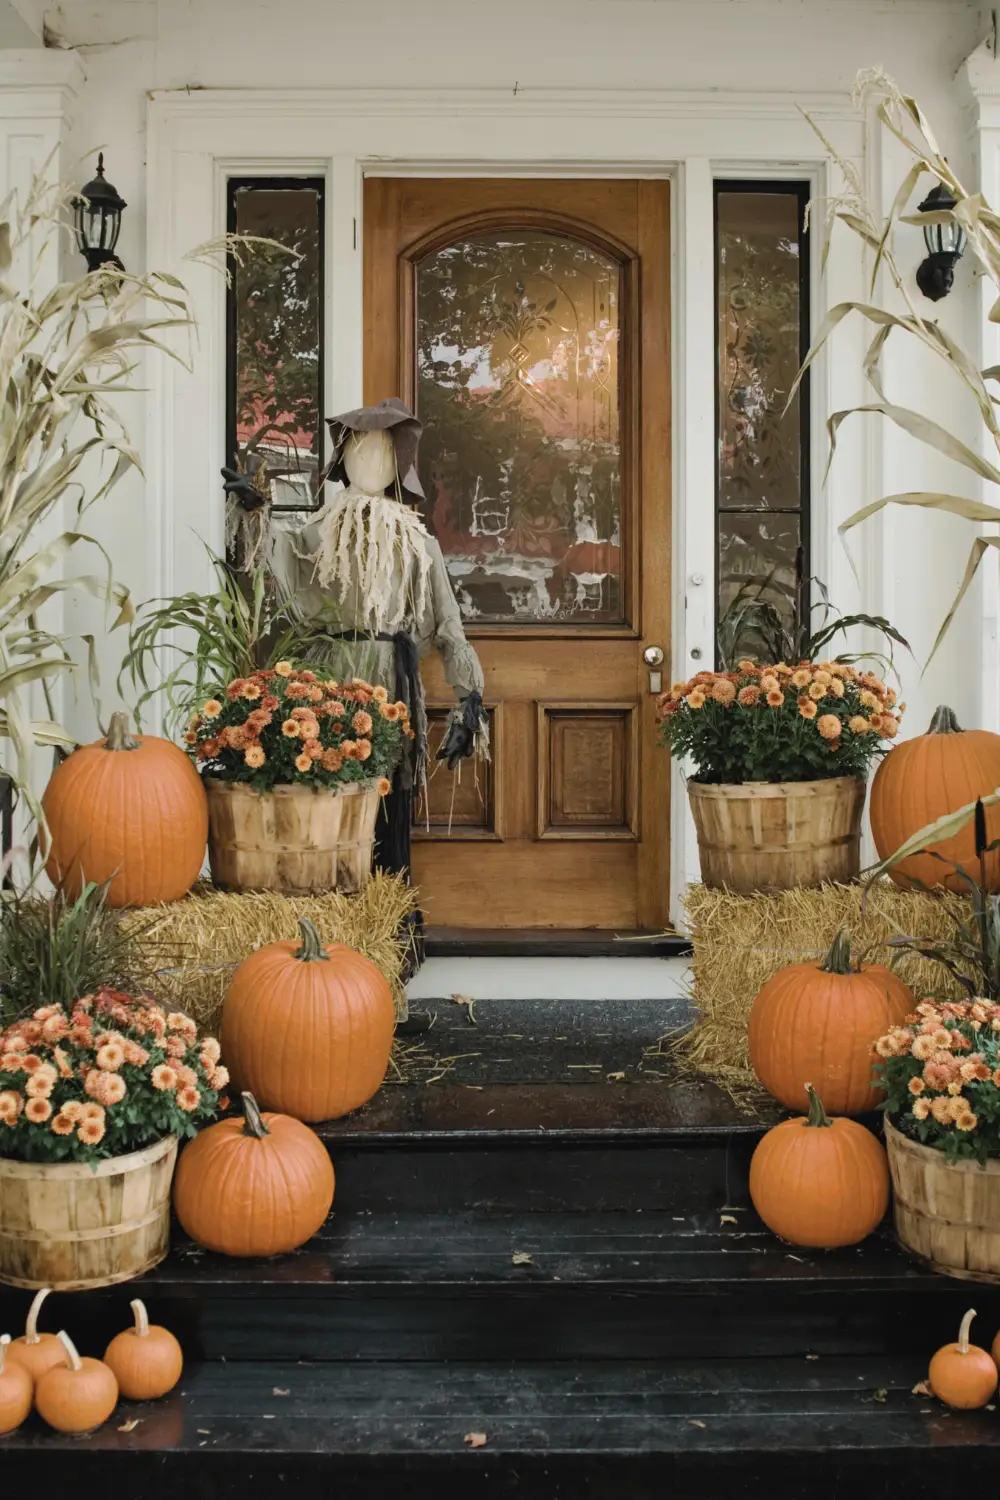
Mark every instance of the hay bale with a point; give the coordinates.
(192, 946)
(739, 942)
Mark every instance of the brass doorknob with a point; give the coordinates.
(653, 656)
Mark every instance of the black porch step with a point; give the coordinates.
(702, 1429)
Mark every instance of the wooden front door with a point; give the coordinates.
(527, 322)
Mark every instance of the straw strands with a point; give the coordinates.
(739, 942)
(194, 945)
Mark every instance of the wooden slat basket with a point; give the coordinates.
(292, 839)
(772, 836)
(71, 1226)
(947, 1214)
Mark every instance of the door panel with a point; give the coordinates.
(527, 323)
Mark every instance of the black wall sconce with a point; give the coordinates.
(97, 219)
(945, 243)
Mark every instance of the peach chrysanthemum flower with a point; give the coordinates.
(210, 1048)
(251, 691)
(316, 694)
(348, 749)
(163, 1077)
(109, 1089)
(923, 1048)
(383, 786)
(186, 1077)
(769, 682)
(219, 1078)
(90, 1132)
(290, 729)
(748, 696)
(111, 1057)
(380, 695)
(890, 726)
(869, 699)
(16, 1043)
(175, 1047)
(921, 1109)
(38, 1086)
(836, 687)
(313, 749)
(807, 708)
(303, 763)
(858, 724)
(296, 690)
(916, 1085)
(955, 1088)
(308, 729)
(283, 668)
(941, 1110)
(696, 698)
(254, 756)
(62, 1124)
(30, 1063)
(10, 1062)
(362, 722)
(188, 1099)
(723, 691)
(829, 726)
(91, 1112)
(37, 1111)
(390, 711)
(823, 675)
(11, 1105)
(212, 708)
(801, 677)
(54, 1029)
(332, 760)
(967, 1120)
(943, 1038)
(363, 750)
(190, 738)
(775, 698)
(817, 691)
(62, 1063)
(74, 1110)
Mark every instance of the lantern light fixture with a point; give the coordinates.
(98, 219)
(945, 242)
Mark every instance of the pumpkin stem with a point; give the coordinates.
(141, 1318)
(312, 950)
(119, 734)
(253, 1122)
(4, 1341)
(73, 1359)
(963, 1332)
(944, 721)
(838, 960)
(31, 1335)
(817, 1114)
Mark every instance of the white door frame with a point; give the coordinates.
(197, 140)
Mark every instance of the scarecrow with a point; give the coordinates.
(370, 575)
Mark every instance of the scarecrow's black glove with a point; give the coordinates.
(243, 488)
(461, 739)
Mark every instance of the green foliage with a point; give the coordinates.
(241, 627)
(779, 723)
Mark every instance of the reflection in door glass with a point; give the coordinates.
(518, 388)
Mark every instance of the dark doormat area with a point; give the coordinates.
(481, 1042)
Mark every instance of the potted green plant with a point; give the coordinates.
(96, 1088)
(780, 756)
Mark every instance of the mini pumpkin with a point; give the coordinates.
(15, 1389)
(130, 809)
(79, 1394)
(262, 1185)
(332, 1010)
(961, 1374)
(37, 1352)
(818, 1022)
(820, 1182)
(920, 781)
(146, 1360)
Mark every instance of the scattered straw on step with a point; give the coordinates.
(738, 942)
(197, 943)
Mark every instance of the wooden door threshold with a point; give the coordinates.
(552, 942)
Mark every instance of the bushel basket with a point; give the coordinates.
(291, 839)
(947, 1214)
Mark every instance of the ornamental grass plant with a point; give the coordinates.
(777, 723)
(286, 726)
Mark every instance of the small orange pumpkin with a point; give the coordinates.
(963, 1375)
(308, 1029)
(920, 781)
(37, 1352)
(146, 1360)
(820, 1182)
(15, 1389)
(78, 1395)
(262, 1185)
(818, 1021)
(130, 809)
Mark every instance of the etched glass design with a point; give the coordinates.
(761, 461)
(517, 378)
(275, 346)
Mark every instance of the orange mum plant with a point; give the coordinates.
(104, 1076)
(287, 725)
(780, 723)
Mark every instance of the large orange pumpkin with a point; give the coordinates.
(820, 1182)
(130, 809)
(818, 1022)
(262, 1185)
(920, 781)
(308, 1029)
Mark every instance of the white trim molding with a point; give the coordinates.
(197, 139)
